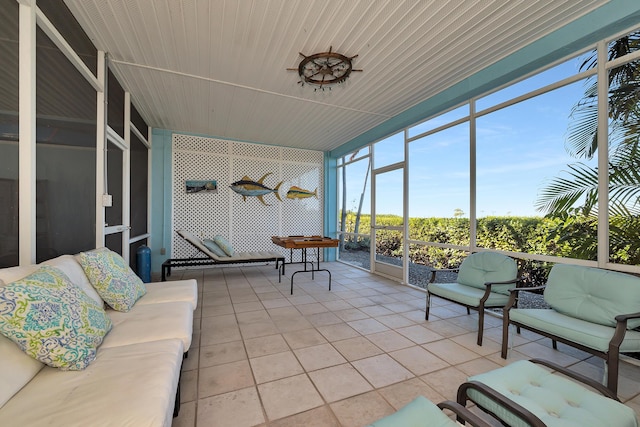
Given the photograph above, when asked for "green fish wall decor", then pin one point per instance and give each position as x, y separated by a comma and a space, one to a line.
300, 193
247, 187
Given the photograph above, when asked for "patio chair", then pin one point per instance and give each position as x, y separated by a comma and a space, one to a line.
540, 393
484, 280
422, 412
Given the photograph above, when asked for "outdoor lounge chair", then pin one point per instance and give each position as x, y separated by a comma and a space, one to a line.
540, 393
422, 412
213, 259
484, 280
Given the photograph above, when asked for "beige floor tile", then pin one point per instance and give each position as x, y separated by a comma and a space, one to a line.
316, 307
382, 370
217, 310
224, 378
478, 366
351, 314
304, 338
445, 328
445, 381
419, 334
360, 302
219, 354
318, 417
187, 415
262, 346
399, 394
537, 350
356, 348
257, 316
302, 299
399, 307
337, 305
376, 311
361, 410
395, 321
285, 312
189, 386
275, 366
292, 324
220, 335
339, 382
469, 341
323, 319
239, 408
276, 303
367, 326
274, 294
417, 316
418, 360
338, 332
319, 356
288, 396
450, 351
390, 340
254, 330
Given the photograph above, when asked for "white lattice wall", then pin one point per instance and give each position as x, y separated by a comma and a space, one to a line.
248, 224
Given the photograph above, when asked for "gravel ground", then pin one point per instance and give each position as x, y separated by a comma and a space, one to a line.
419, 275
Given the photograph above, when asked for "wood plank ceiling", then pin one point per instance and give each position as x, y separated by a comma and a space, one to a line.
218, 67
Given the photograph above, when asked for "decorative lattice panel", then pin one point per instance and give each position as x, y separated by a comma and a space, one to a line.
303, 156
243, 149
201, 144
247, 223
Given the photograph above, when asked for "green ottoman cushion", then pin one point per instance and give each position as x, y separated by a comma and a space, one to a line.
418, 413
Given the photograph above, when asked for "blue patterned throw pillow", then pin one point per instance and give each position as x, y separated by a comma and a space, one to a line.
224, 245
114, 280
52, 320
213, 247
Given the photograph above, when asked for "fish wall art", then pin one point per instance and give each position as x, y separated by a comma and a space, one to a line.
247, 187
300, 193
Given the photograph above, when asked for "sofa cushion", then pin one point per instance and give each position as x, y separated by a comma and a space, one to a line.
176, 290
482, 267
467, 295
52, 320
133, 385
11, 274
16, 369
151, 322
556, 400
224, 245
114, 280
70, 266
593, 294
213, 247
580, 331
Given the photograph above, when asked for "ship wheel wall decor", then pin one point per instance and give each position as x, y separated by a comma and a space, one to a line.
324, 69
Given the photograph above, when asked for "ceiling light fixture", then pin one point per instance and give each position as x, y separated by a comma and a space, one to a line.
324, 69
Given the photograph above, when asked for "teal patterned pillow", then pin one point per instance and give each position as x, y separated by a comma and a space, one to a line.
114, 280
52, 320
213, 247
224, 245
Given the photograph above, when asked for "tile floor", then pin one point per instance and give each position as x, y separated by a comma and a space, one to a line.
263, 357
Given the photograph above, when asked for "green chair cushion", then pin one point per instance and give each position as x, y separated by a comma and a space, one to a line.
556, 400
589, 334
466, 294
418, 413
482, 267
593, 294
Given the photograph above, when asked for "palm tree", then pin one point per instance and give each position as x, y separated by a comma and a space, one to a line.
574, 199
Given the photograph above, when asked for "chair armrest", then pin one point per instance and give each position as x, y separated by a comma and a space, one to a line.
625, 317
500, 399
579, 377
513, 295
442, 270
463, 413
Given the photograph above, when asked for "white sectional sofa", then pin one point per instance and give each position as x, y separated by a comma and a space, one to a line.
134, 379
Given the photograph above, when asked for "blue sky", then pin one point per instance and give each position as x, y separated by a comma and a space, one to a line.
520, 149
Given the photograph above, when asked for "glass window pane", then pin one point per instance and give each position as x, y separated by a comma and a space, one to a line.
624, 163
389, 150
114, 242
537, 81
389, 198
139, 122
65, 155
9, 134
439, 187
115, 111
356, 251
113, 214
528, 166
139, 186
441, 120
61, 17
354, 197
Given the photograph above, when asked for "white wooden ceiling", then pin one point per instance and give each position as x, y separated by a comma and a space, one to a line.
218, 67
